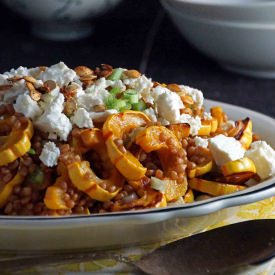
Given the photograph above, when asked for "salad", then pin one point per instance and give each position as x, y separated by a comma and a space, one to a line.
86, 141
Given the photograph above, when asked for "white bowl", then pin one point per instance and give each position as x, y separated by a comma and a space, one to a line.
237, 43
253, 11
141, 226
61, 19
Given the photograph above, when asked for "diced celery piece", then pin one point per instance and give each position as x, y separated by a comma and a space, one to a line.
115, 91
32, 151
140, 106
116, 74
131, 95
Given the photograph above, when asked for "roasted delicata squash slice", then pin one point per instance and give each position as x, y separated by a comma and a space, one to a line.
162, 140
213, 188
218, 113
238, 166
17, 143
150, 199
84, 179
244, 134
6, 188
189, 196
180, 130
113, 129
54, 197
206, 128
200, 170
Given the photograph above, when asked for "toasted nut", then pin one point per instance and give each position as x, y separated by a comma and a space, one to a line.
186, 99
50, 85
70, 107
34, 94
42, 68
155, 84
29, 79
87, 78
83, 71
105, 70
15, 78
99, 108
70, 90
174, 88
5, 87
132, 73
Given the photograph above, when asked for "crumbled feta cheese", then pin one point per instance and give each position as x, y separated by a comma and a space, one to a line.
116, 84
207, 116
50, 154
53, 121
196, 95
140, 84
59, 73
150, 112
157, 91
97, 87
201, 142
18, 88
89, 100
228, 125
194, 122
263, 156
82, 119
225, 149
102, 116
168, 106
20, 71
27, 106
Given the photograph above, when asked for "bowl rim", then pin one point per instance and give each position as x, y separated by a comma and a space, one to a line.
211, 3
224, 23
255, 193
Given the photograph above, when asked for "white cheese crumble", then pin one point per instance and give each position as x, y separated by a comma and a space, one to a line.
53, 121
207, 116
27, 106
228, 125
169, 105
140, 84
150, 112
201, 142
89, 100
102, 116
196, 95
225, 149
50, 154
82, 119
59, 73
194, 122
17, 89
263, 156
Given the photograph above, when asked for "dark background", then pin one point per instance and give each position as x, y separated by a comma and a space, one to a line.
122, 38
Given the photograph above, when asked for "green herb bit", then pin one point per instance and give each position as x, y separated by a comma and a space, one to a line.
32, 151
116, 74
140, 106
115, 91
131, 96
37, 176
127, 106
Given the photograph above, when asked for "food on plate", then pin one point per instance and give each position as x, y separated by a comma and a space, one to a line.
86, 141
